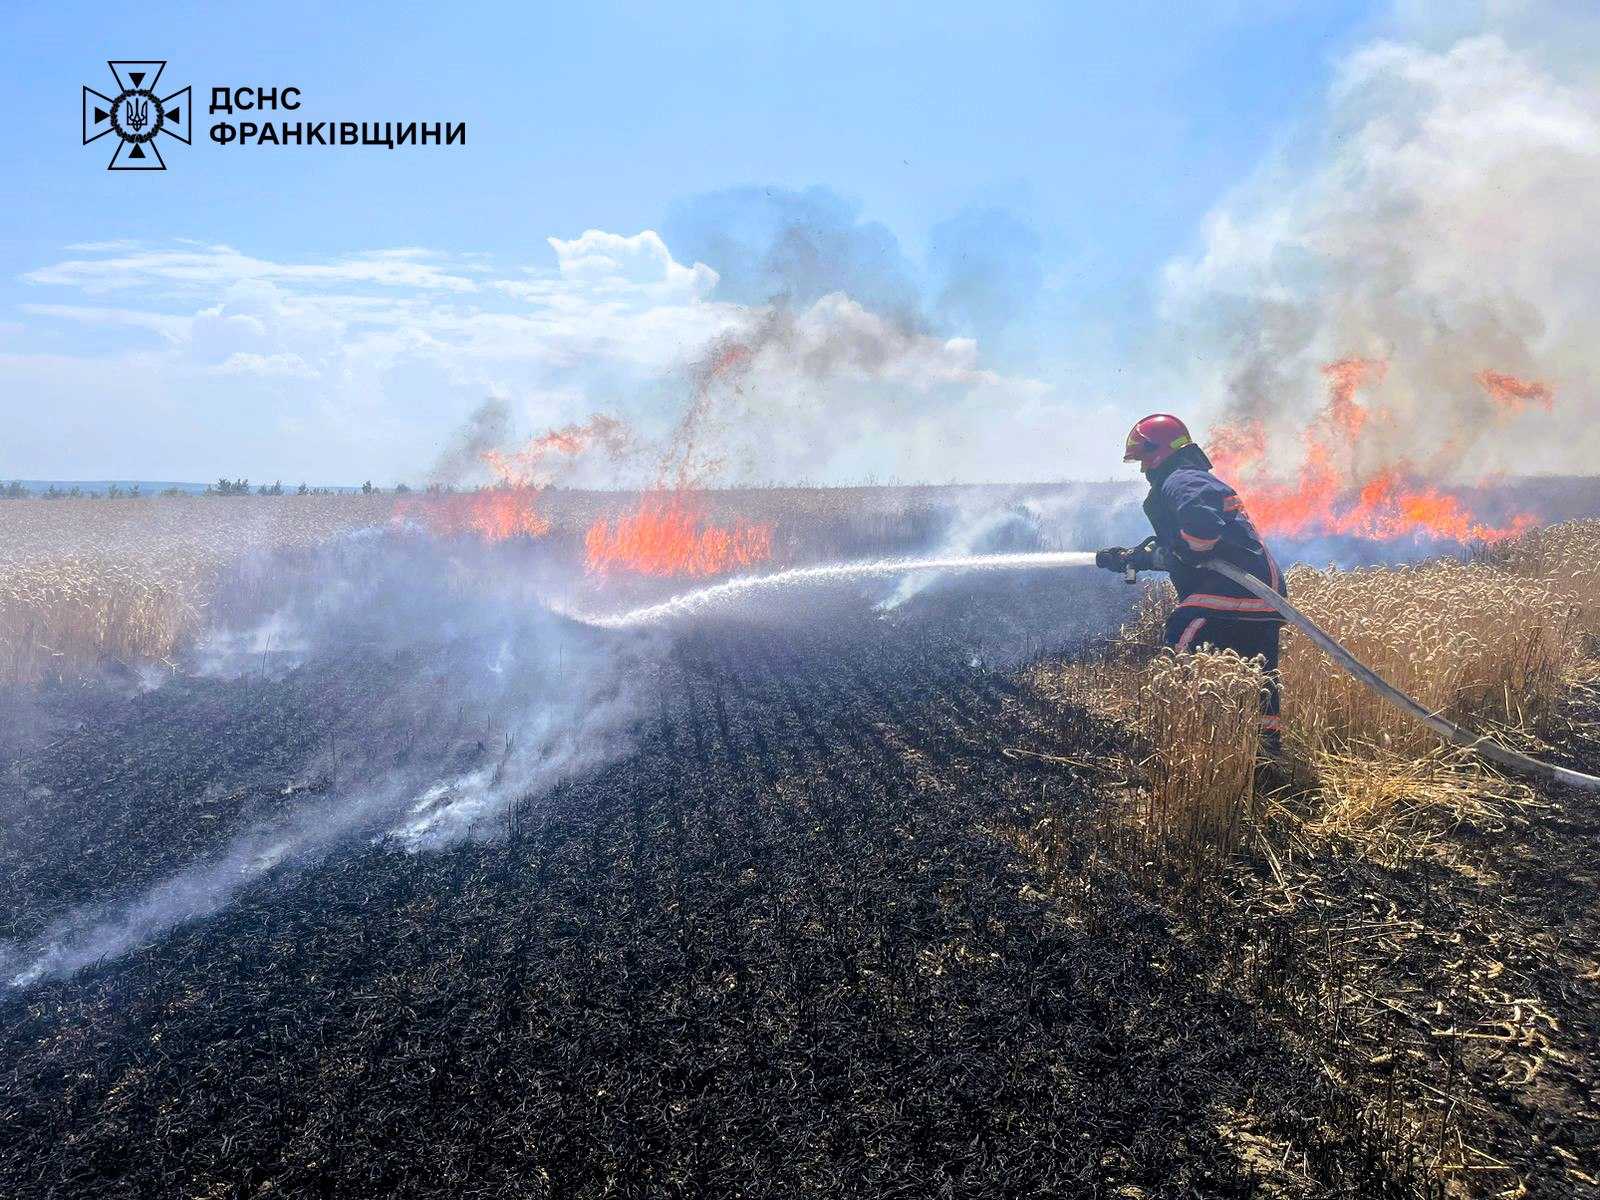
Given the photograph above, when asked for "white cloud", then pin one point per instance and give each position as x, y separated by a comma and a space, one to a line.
286, 365
211, 267
612, 261
172, 328
365, 364
101, 247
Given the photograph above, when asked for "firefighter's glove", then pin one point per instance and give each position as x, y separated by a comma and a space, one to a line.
1112, 558
1149, 555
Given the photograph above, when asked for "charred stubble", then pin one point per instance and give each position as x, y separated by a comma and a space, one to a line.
779, 950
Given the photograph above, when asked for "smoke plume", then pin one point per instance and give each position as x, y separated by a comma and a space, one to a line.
487, 428
1440, 219
773, 245
846, 358
837, 390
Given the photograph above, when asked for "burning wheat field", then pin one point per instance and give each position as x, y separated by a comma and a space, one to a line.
1021, 618
529, 841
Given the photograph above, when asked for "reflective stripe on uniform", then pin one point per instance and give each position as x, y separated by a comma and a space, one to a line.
1271, 724
1226, 603
1199, 543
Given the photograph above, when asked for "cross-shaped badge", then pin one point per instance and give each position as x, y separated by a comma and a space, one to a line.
136, 115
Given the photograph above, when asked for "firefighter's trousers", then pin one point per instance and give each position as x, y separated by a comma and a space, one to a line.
1190, 630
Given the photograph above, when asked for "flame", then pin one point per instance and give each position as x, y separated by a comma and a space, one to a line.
1330, 498
531, 466
511, 507
727, 358
1345, 378
1512, 395
494, 514
666, 535
1237, 449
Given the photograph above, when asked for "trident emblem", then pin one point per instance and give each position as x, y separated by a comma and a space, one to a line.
138, 113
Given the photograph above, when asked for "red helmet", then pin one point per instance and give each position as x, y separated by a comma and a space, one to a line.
1155, 439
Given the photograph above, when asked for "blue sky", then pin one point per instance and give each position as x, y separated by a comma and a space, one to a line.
1118, 125
1093, 139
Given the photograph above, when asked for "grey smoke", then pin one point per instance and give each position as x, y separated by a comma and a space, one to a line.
852, 357
982, 270
487, 428
825, 389
773, 245
986, 274
1440, 215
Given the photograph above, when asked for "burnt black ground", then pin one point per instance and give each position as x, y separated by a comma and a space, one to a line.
110, 789
1461, 978
786, 944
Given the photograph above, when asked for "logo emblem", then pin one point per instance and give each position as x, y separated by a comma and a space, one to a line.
137, 114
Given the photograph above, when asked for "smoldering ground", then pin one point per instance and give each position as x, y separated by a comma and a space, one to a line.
396, 687
429, 688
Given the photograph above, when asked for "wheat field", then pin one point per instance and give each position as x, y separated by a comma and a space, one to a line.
1494, 643
91, 581
1491, 642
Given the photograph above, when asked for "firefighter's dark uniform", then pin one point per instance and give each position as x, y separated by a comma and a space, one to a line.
1195, 515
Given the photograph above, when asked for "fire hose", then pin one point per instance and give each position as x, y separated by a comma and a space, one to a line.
1448, 730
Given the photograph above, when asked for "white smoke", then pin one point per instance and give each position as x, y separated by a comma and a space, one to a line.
1074, 514
553, 697
269, 646
975, 527
1441, 217
837, 391
94, 934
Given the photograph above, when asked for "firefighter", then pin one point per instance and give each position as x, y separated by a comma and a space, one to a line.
1195, 516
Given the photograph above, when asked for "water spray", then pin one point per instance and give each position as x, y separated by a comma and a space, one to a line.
692, 602
732, 589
